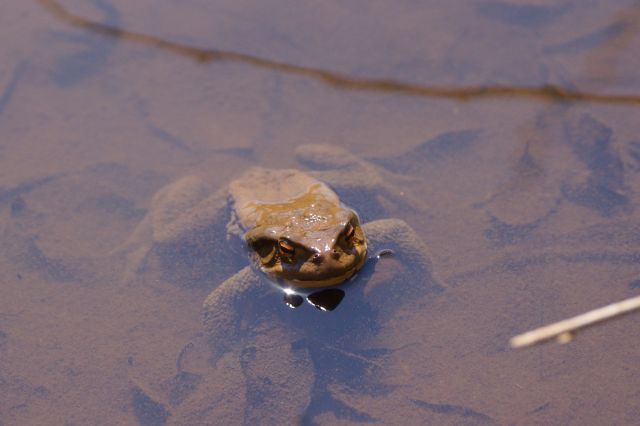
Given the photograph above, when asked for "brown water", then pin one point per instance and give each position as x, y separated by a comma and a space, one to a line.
531, 219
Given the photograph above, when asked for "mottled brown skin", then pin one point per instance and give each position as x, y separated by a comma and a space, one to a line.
296, 228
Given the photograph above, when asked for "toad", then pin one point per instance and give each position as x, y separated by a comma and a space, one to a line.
294, 226
308, 244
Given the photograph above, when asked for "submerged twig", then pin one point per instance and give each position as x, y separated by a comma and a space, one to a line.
562, 330
545, 92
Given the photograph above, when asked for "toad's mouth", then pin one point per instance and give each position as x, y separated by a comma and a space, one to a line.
324, 280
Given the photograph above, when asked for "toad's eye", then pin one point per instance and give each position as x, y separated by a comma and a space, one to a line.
265, 248
349, 232
286, 248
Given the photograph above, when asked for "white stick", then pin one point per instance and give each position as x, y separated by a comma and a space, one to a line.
562, 329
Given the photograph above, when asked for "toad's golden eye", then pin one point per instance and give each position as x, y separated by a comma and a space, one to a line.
286, 248
349, 231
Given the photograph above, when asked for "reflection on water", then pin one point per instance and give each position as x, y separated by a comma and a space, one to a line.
524, 212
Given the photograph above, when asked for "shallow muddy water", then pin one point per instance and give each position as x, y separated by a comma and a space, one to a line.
512, 124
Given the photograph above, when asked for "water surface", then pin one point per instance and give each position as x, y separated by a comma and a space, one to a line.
517, 120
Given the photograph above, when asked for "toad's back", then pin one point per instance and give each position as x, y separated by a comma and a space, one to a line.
289, 188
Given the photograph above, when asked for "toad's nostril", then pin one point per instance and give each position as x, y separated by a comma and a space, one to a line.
335, 254
317, 258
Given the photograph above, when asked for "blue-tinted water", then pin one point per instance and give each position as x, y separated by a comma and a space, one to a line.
504, 133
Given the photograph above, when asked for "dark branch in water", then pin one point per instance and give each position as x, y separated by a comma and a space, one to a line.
546, 92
